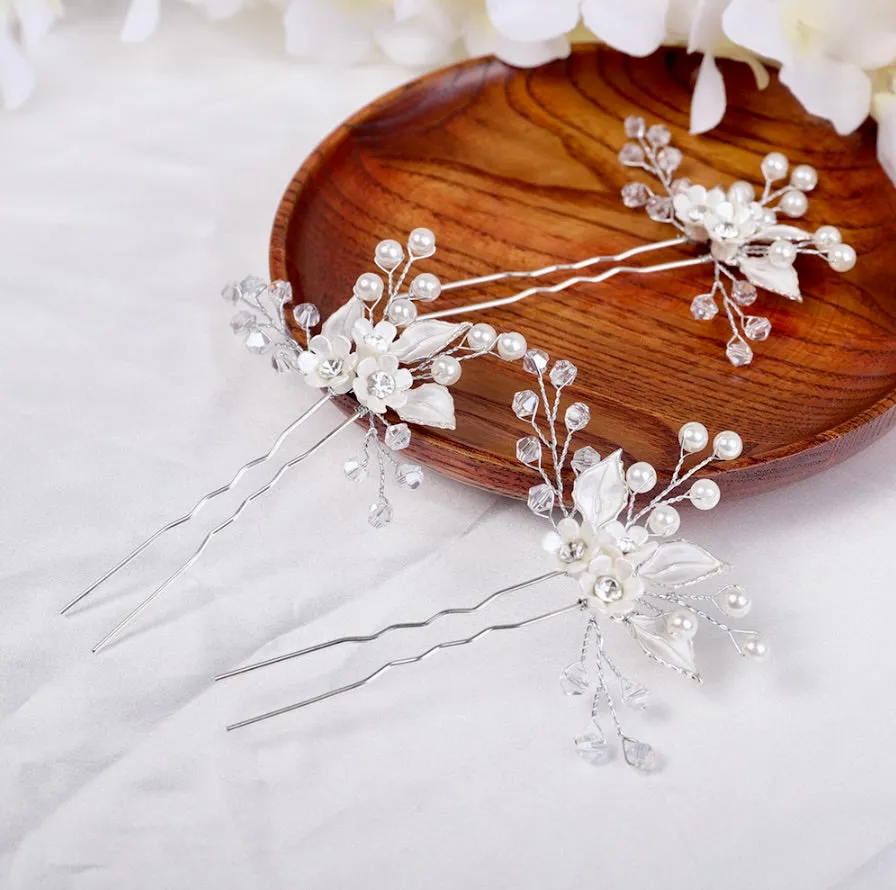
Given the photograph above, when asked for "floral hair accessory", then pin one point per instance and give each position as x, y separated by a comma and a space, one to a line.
373, 349
630, 569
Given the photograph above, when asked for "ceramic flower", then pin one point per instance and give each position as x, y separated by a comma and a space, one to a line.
373, 339
329, 364
381, 384
572, 544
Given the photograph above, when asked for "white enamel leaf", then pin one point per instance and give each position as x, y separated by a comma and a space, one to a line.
709, 99
341, 321
429, 405
599, 492
781, 231
676, 652
424, 339
779, 281
679, 563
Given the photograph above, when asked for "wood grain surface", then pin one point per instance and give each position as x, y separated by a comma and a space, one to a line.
518, 169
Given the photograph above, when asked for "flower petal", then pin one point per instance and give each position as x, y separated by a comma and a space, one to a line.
885, 109
16, 74
636, 27
367, 366
388, 363
709, 100
831, 89
552, 542
321, 345
568, 529
141, 20
403, 379
532, 20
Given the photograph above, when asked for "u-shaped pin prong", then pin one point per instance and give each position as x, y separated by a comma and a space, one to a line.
405, 625
229, 521
182, 520
413, 659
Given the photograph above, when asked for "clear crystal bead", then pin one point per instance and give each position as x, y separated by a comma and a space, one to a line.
738, 352
591, 745
283, 361
242, 322
639, 755
380, 385
563, 373
355, 469
757, 328
659, 209
251, 286
258, 342
574, 680
535, 361
668, 159
743, 293
634, 126
704, 307
281, 291
525, 404
528, 450
635, 695
577, 416
631, 154
635, 194
306, 315
585, 458
541, 499
398, 436
231, 292
409, 476
380, 514
659, 135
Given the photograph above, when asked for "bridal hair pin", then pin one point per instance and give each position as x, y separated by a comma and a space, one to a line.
749, 248
630, 570
358, 353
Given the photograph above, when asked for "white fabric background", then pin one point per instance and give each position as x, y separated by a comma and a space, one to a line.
138, 181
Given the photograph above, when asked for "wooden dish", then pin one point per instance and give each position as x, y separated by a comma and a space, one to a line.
516, 169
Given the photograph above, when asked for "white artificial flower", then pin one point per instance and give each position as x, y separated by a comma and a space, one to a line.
692, 205
142, 17
329, 363
22, 24
373, 340
483, 38
884, 111
635, 27
731, 223
381, 384
572, 545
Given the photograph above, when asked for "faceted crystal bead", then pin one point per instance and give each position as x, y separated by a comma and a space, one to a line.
409, 476
306, 315
242, 322
528, 450
574, 680
525, 404
251, 286
541, 499
668, 159
535, 361
231, 292
380, 514
757, 328
743, 293
380, 385
658, 136
355, 469
283, 361
591, 745
631, 154
584, 459
634, 126
398, 436
635, 194
659, 209
563, 373
635, 695
330, 368
704, 307
639, 755
577, 416
258, 342
281, 291
739, 352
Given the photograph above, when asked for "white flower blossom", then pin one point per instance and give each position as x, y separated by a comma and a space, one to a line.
373, 339
381, 384
329, 363
572, 545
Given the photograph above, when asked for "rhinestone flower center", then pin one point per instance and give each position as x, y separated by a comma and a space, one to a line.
726, 230
376, 342
380, 384
626, 545
330, 368
608, 589
571, 551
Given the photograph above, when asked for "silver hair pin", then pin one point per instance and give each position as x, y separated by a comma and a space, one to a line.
360, 353
748, 247
619, 546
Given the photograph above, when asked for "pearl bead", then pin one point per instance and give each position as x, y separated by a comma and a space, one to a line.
842, 257
693, 436
741, 192
421, 243
734, 602
756, 647
426, 287
768, 217
511, 346
401, 312
664, 520
774, 166
804, 177
481, 337
793, 203
388, 254
369, 287
641, 477
727, 445
827, 237
445, 369
681, 623
705, 494
781, 253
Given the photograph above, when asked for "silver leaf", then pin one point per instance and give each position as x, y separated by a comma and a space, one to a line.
424, 339
779, 281
781, 232
600, 492
341, 321
429, 405
679, 563
676, 652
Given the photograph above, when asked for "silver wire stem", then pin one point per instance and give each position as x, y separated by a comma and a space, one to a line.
409, 660
409, 625
566, 267
229, 521
564, 285
255, 462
